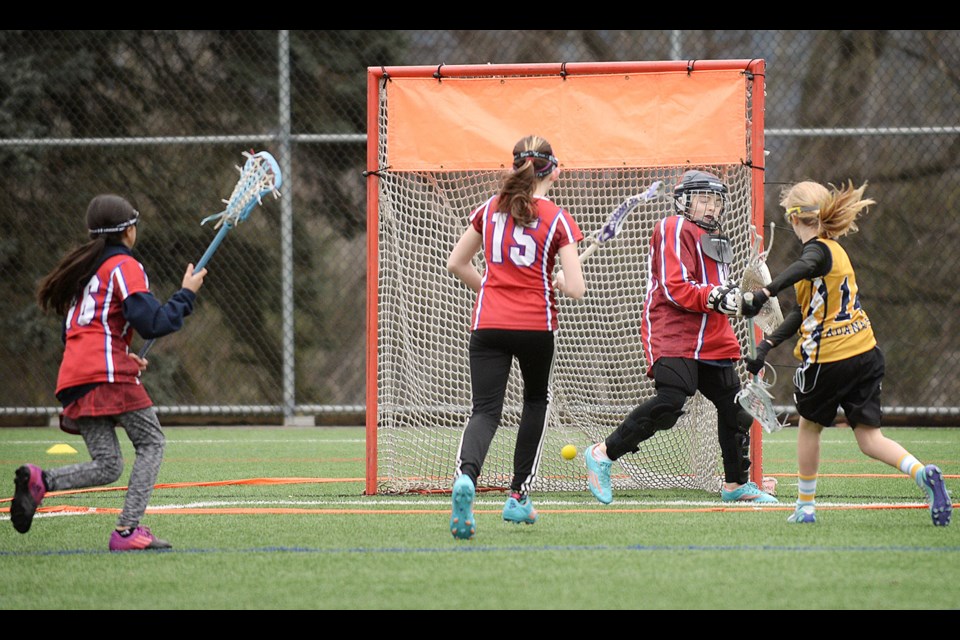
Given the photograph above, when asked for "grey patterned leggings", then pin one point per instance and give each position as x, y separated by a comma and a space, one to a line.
106, 466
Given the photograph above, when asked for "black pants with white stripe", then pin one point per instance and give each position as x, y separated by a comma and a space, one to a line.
492, 352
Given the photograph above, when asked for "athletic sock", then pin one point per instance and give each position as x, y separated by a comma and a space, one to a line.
912, 467
600, 455
806, 490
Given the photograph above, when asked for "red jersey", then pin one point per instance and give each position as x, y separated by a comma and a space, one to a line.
516, 290
676, 321
98, 335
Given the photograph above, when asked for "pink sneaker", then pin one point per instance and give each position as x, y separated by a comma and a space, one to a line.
141, 538
28, 493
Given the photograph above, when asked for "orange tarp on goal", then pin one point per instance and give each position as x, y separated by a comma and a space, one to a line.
592, 121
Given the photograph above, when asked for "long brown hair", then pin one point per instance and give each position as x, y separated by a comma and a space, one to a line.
533, 161
833, 210
108, 216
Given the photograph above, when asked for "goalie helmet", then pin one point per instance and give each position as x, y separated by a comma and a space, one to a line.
689, 201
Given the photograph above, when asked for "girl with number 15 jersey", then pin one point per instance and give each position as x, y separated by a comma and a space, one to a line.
521, 234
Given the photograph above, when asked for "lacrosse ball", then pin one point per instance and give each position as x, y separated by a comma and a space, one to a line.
770, 485
569, 452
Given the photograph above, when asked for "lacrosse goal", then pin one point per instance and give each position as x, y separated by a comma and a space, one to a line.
439, 139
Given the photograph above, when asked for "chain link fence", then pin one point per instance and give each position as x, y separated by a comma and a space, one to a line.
162, 117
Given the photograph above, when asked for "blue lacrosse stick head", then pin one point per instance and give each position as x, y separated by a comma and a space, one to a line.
259, 176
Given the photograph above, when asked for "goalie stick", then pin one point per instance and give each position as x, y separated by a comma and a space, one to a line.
754, 396
259, 176
756, 275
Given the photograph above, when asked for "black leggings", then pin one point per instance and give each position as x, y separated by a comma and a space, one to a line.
677, 379
491, 355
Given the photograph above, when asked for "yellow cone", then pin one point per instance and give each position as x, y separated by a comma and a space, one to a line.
60, 449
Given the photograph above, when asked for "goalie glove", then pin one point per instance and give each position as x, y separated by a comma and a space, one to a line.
754, 365
724, 299
753, 302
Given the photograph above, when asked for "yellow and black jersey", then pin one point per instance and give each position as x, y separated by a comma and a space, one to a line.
834, 326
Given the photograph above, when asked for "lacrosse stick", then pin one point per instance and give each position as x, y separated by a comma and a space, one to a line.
614, 224
756, 275
754, 397
259, 176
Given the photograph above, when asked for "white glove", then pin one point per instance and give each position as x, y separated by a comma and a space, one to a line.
725, 299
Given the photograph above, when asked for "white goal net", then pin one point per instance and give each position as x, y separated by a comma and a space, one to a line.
422, 317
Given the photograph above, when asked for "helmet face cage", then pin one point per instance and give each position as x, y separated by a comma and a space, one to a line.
691, 200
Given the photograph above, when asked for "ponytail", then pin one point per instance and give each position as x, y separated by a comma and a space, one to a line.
533, 161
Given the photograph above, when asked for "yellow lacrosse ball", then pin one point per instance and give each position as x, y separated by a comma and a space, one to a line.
569, 452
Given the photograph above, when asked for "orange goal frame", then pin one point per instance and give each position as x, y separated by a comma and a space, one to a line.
476, 111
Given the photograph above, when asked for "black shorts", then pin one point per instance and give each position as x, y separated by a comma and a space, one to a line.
819, 390
712, 380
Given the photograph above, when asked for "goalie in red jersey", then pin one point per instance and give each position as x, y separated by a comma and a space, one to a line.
688, 341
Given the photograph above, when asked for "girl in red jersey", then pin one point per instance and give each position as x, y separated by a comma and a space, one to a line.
688, 342
840, 362
521, 234
104, 295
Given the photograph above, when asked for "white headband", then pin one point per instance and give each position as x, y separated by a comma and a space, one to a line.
120, 227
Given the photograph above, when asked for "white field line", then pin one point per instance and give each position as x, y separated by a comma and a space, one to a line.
398, 503
174, 440
480, 502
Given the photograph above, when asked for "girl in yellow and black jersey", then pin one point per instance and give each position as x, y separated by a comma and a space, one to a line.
834, 326
841, 365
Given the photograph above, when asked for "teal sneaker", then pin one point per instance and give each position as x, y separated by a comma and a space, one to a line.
519, 511
940, 507
598, 476
749, 492
805, 514
462, 523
